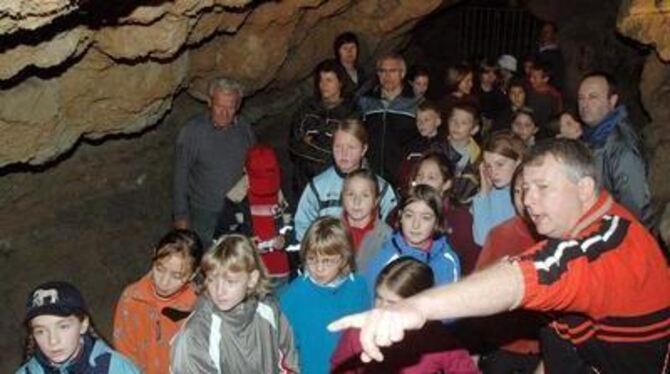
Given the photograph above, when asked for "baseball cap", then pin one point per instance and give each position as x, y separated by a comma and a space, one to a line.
55, 298
507, 62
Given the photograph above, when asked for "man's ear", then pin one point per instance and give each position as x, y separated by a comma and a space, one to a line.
613, 100
586, 189
474, 130
365, 149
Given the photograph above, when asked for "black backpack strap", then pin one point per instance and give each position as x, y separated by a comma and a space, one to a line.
316, 193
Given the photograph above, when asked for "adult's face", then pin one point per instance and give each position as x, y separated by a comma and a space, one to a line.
348, 54
390, 73
548, 34
553, 202
223, 106
329, 86
594, 102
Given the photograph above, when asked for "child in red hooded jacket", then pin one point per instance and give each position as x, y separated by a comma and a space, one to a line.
256, 207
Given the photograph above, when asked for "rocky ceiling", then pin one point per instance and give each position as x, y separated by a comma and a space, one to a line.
89, 68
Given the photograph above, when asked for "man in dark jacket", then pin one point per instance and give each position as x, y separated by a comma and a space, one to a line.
389, 113
617, 148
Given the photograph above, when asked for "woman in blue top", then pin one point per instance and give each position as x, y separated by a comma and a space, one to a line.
420, 237
327, 290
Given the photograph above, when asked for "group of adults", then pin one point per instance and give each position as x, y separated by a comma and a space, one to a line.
599, 270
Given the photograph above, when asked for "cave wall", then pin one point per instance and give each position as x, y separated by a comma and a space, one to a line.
648, 21
90, 69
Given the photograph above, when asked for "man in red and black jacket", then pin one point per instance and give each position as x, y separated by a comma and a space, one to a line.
599, 272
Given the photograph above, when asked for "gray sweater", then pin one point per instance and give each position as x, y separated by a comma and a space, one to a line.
208, 162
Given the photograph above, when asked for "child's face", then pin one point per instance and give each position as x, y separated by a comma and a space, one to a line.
487, 77
227, 289
524, 127
499, 168
429, 174
418, 223
359, 201
420, 85
385, 297
517, 96
518, 196
427, 122
569, 128
465, 85
461, 126
324, 268
347, 151
538, 80
59, 338
169, 274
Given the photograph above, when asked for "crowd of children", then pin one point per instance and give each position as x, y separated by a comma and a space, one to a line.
260, 298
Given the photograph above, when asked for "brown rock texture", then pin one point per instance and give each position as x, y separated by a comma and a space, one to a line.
648, 22
71, 69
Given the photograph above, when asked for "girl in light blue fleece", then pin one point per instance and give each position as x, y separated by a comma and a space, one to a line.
503, 152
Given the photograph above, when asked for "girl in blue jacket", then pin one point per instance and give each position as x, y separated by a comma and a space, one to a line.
420, 237
61, 339
327, 290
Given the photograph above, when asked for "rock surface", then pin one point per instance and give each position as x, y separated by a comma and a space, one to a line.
648, 22
87, 69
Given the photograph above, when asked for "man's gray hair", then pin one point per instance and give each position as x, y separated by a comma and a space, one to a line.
575, 156
395, 57
225, 85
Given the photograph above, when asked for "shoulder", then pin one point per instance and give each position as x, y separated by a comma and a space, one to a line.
117, 364
326, 177
30, 367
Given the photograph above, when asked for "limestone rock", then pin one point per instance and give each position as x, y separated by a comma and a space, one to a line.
91, 77
67, 45
655, 90
30, 14
647, 21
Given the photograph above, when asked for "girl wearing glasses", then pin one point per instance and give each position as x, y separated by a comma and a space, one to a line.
327, 290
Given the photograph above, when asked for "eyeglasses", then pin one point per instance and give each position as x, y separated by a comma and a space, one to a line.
327, 262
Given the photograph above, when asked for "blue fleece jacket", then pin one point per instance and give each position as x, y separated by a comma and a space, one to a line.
95, 358
310, 307
490, 210
441, 259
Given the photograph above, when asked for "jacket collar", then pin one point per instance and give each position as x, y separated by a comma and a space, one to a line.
594, 214
597, 136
